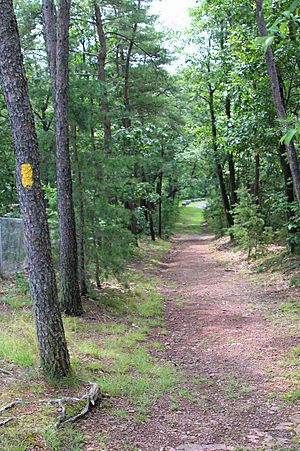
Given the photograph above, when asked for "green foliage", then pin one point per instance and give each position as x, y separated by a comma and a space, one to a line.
249, 228
214, 214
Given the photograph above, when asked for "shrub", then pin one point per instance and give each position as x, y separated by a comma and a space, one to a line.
249, 228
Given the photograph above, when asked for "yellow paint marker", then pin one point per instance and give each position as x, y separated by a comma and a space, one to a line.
27, 175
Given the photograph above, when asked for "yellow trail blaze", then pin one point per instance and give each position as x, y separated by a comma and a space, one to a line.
27, 175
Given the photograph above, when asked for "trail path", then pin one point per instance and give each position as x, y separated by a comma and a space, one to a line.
217, 333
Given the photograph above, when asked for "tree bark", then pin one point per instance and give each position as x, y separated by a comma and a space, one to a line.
159, 192
219, 169
277, 98
50, 35
151, 225
102, 54
49, 327
81, 231
289, 192
127, 119
231, 165
69, 282
256, 178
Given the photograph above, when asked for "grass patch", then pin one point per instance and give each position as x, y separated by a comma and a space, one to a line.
293, 359
115, 353
234, 388
15, 292
291, 307
17, 338
295, 281
190, 219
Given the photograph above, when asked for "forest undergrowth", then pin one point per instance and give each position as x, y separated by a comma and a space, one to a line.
117, 344
108, 345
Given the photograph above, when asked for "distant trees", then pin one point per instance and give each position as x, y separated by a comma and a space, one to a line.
246, 140
278, 98
125, 115
50, 332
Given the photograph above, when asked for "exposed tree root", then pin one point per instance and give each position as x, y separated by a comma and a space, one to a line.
9, 405
8, 373
6, 420
85, 403
91, 398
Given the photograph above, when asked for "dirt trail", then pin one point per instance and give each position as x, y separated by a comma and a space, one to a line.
216, 333
219, 332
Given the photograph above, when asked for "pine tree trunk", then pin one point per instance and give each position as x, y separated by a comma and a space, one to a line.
277, 98
50, 332
127, 119
256, 178
81, 231
50, 35
159, 192
102, 78
69, 281
151, 225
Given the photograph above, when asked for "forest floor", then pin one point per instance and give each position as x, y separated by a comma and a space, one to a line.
227, 332
201, 352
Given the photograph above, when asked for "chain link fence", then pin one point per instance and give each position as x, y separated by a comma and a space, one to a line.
12, 247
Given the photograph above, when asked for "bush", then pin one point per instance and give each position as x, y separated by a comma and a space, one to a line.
214, 215
249, 228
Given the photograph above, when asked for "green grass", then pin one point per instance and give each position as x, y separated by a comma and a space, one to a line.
234, 388
116, 353
291, 307
190, 220
293, 360
17, 338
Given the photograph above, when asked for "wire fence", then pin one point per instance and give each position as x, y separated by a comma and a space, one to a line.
12, 247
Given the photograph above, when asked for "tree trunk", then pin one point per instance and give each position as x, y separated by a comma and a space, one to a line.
277, 99
102, 78
151, 225
256, 178
50, 35
289, 192
231, 166
159, 192
219, 169
69, 283
127, 119
97, 264
81, 231
50, 332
